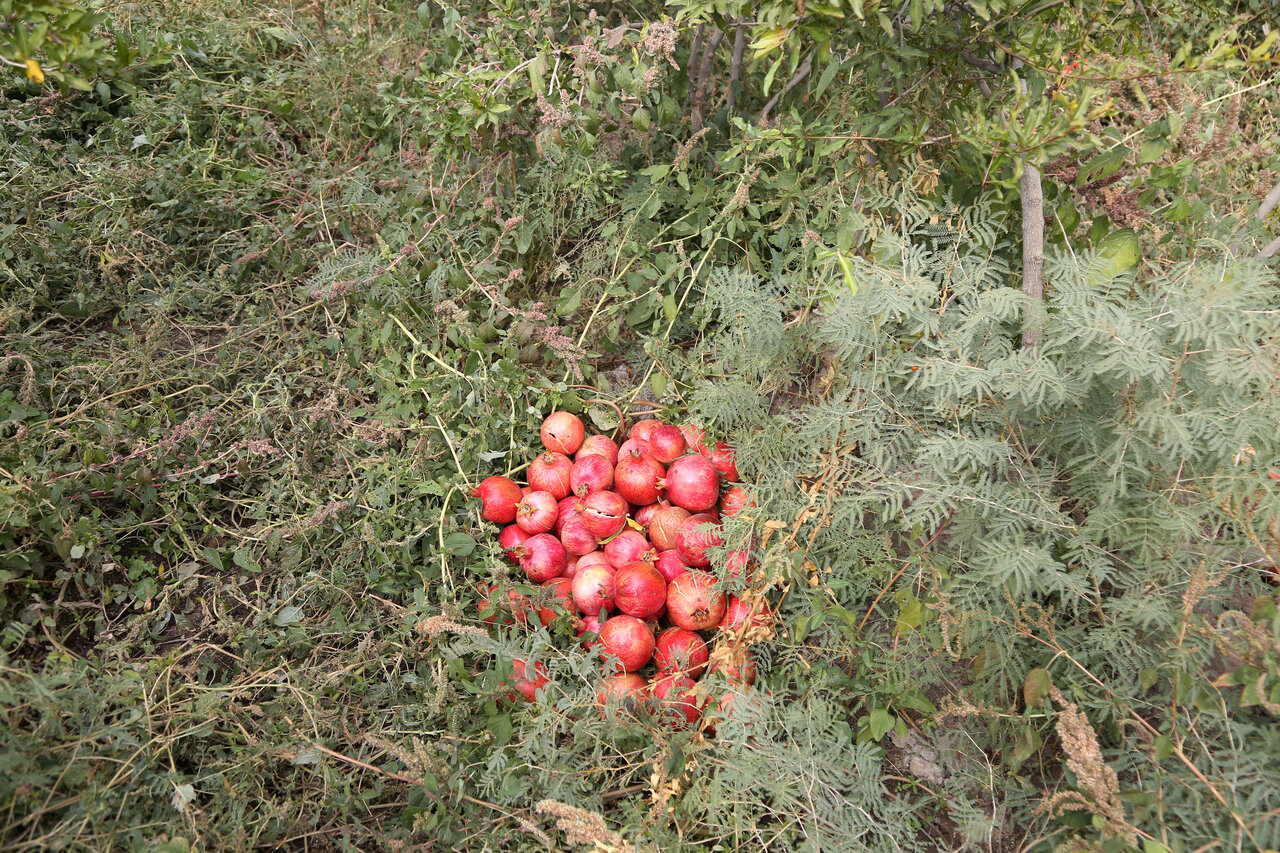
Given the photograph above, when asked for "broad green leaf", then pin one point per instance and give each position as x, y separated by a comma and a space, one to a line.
1036, 687
1102, 165
1117, 252
881, 723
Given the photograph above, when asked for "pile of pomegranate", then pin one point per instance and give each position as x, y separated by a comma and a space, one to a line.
620, 536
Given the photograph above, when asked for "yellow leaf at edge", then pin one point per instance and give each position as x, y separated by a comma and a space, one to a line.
34, 71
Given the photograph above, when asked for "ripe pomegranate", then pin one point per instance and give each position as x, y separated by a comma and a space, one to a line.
562, 590
543, 558
500, 496
664, 525
680, 650
627, 547
562, 432
628, 639
634, 448
693, 483
738, 612
666, 443
509, 538
590, 474
537, 513
734, 500
595, 558
569, 509
722, 457
693, 437
644, 515
550, 472
642, 429
739, 668
604, 513
678, 707
670, 565
517, 605
593, 589
626, 688
641, 590
570, 565
599, 445
576, 538
528, 687
693, 603
692, 542
589, 625
735, 563
638, 479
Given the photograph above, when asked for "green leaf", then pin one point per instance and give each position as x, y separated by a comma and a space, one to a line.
1102, 166
459, 544
1163, 747
881, 723
1117, 252
288, 616
1036, 687
669, 307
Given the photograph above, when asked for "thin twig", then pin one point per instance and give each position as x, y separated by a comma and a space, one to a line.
796, 79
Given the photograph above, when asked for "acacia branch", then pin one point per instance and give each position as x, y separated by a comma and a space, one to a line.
735, 70
796, 79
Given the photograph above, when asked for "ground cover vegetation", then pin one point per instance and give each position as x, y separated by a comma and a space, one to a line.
982, 293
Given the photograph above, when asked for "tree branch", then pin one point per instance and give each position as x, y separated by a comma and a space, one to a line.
691, 70
1270, 249
796, 79
735, 70
704, 77
1032, 256
1269, 203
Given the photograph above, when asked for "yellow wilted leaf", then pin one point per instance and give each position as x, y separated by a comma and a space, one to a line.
769, 40
34, 71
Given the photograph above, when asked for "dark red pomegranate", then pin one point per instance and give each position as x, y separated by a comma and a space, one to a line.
562, 432
604, 513
666, 443
599, 445
693, 483
537, 513
528, 687
734, 500
639, 479
677, 704
670, 565
593, 589
634, 448
627, 547
590, 474
693, 437
693, 540
499, 496
543, 557
509, 538
738, 612
693, 603
665, 524
577, 539
551, 472
562, 590
722, 457
642, 429
680, 650
641, 590
626, 688
628, 639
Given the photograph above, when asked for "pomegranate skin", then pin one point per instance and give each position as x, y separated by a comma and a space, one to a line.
628, 639
670, 565
590, 474
519, 606
570, 566
604, 513
544, 557
735, 563
500, 496
562, 432
551, 472
664, 526
593, 589
722, 456
738, 612
569, 509
740, 670
642, 429
590, 625
577, 539
666, 443
692, 543
627, 547
598, 445
528, 687
562, 589
510, 538
624, 687
634, 448
641, 591
677, 705
693, 437
644, 515
734, 500
693, 482
595, 558
537, 513
639, 479
693, 603
681, 650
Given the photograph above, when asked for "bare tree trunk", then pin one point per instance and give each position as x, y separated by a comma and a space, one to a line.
796, 79
704, 77
691, 70
735, 70
1033, 256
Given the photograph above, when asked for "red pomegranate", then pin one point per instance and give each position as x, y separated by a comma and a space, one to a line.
677, 706
590, 474
627, 547
634, 448
693, 540
577, 539
693, 603
599, 445
499, 496
664, 525
589, 625
528, 687
537, 513
738, 612
735, 563
628, 639
666, 443
562, 590
509, 538
593, 589
604, 513
670, 565
595, 558
570, 565
550, 472
562, 432
638, 479
681, 650
569, 509
693, 483
644, 515
641, 429
722, 457
641, 590
693, 437
517, 606
739, 668
734, 500
543, 558
626, 688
